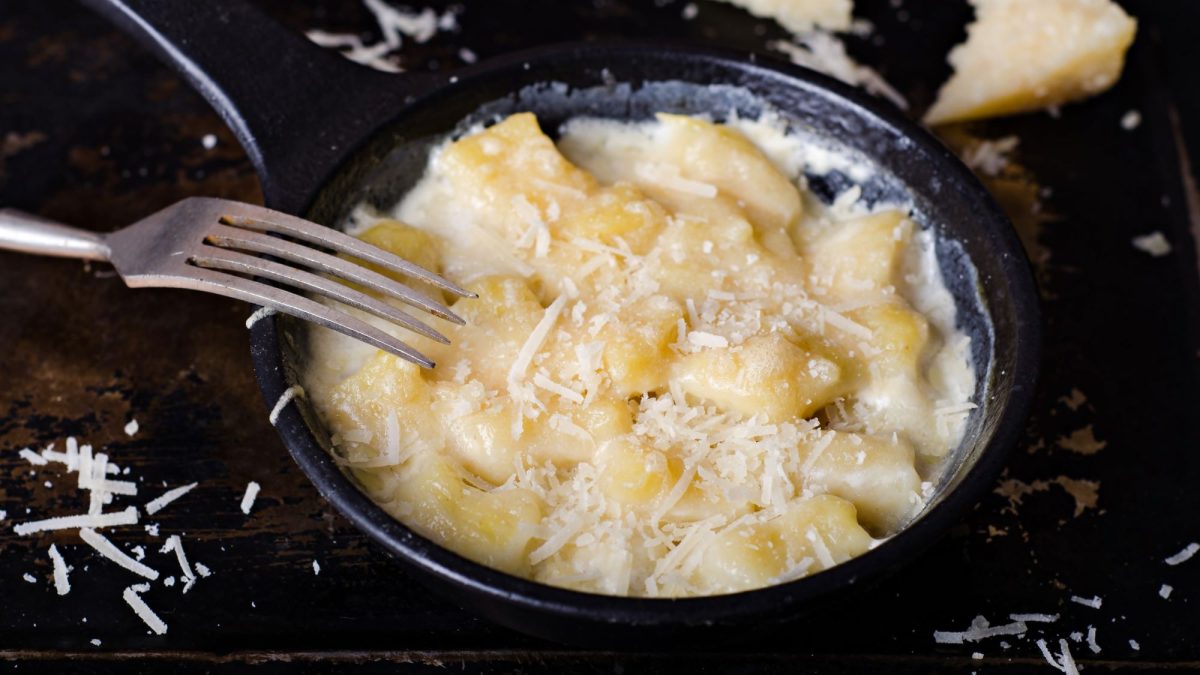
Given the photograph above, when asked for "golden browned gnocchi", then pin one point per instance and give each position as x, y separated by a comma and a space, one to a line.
682, 375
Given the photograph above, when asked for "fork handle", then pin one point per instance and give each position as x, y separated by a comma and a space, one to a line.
27, 233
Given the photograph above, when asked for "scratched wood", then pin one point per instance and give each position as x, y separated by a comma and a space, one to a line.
94, 131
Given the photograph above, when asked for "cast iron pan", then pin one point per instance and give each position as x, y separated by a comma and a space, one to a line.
325, 134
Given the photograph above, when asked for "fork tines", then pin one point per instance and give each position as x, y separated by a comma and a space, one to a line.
249, 230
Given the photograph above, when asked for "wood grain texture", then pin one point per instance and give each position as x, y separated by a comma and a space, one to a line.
93, 131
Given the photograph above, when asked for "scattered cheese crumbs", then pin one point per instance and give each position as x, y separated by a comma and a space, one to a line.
131, 428
1184, 555
152, 529
1091, 640
93, 520
978, 656
176, 544
1131, 120
1154, 243
143, 611
29, 578
169, 582
158, 503
139, 553
209, 141
1093, 602
3, 514
258, 315
33, 458
825, 53
248, 498
109, 550
61, 583
1164, 591
284, 398
316, 567
1133, 644
95, 641
979, 630
203, 570
989, 157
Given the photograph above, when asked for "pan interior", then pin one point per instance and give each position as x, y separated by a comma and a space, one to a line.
900, 171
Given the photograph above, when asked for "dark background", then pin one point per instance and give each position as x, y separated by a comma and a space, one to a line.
93, 131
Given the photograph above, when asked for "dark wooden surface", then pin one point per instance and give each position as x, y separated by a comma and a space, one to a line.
94, 131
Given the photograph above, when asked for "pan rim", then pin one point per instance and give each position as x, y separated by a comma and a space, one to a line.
431, 558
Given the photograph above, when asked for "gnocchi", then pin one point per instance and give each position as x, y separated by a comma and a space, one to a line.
682, 374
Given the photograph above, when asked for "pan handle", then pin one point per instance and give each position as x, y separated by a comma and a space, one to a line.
296, 108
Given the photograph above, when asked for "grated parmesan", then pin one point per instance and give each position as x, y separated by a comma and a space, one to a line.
1184, 555
133, 598
61, 584
1093, 602
159, 503
249, 496
95, 521
33, 458
284, 398
109, 550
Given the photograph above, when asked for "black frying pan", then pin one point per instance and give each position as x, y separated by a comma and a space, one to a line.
325, 134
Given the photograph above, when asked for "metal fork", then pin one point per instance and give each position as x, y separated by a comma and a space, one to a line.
205, 244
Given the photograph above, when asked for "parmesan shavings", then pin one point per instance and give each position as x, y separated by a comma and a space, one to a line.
249, 496
131, 428
553, 387
61, 584
980, 630
1164, 591
284, 398
33, 458
91, 520
1093, 602
316, 568
134, 600
709, 340
1064, 663
176, 544
158, 503
1091, 640
1034, 618
1184, 555
109, 550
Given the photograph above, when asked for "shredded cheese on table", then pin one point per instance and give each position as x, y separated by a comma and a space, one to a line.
250, 495
109, 550
62, 585
133, 598
159, 503
96, 521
